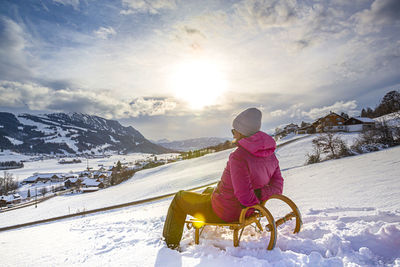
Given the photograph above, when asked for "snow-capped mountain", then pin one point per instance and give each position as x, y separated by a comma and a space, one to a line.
191, 144
72, 133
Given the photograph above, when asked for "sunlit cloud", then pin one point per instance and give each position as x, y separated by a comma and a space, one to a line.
338, 107
35, 97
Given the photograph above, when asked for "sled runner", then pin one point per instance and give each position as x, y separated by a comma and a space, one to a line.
258, 217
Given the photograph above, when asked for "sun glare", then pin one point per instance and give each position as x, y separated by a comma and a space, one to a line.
199, 83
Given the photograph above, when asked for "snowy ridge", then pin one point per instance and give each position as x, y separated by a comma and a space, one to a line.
72, 133
350, 212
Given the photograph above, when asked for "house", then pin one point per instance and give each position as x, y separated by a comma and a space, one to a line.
288, 129
10, 199
330, 123
57, 177
71, 175
44, 177
88, 182
358, 124
3, 201
309, 129
291, 128
73, 182
102, 175
16, 198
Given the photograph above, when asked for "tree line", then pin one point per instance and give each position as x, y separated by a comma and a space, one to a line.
389, 104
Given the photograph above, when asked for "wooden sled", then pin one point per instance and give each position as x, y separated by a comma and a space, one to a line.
260, 213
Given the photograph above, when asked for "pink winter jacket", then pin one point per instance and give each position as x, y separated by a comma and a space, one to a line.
253, 165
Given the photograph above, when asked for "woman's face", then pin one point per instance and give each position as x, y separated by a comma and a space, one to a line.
236, 135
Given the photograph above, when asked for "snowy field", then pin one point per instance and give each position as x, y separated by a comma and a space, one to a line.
52, 165
350, 210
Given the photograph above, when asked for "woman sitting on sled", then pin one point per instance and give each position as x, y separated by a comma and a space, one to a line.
251, 175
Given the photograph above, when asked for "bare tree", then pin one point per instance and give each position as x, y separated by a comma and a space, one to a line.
331, 145
7, 183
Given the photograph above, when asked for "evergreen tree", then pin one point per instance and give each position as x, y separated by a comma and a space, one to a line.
363, 113
119, 166
370, 113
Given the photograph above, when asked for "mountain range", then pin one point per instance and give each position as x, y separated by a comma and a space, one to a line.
71, 133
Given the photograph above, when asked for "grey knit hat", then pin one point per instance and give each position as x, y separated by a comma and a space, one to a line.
248, 122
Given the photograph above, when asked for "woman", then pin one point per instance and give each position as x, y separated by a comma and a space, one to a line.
251, 175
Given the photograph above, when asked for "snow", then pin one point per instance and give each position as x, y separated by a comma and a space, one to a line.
113, 139
90, 182
39, 126
8, 155
350, 213
290, 137
365, 119
392, 119
14, 141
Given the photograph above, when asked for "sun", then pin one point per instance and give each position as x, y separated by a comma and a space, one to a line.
198, 82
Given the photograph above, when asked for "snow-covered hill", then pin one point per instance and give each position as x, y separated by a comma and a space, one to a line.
391, 119
72, 133
350, 211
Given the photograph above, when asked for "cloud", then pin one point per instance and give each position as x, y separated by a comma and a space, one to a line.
36, 97
105, 32
266, 14
73, 3
340, 106
381, 12
14, 58
142, 6
293, 111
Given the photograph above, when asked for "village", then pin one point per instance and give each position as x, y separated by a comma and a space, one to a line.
41, 186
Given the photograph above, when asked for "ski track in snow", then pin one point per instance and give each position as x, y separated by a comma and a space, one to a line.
350, 208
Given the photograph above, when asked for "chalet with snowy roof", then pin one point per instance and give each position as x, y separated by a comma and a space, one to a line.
358, 124
71, 175
88, 182
10, 199
44, 178
288, 129
330, 123
102, 175
73, 182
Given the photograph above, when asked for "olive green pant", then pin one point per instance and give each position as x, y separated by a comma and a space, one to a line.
184, 203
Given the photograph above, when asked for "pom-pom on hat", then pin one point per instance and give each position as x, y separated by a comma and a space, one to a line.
248, 122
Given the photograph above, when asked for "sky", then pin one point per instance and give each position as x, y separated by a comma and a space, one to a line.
181, 69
